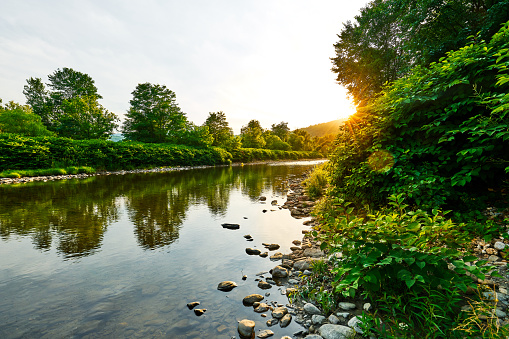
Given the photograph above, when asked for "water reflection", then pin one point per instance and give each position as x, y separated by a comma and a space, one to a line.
72, 216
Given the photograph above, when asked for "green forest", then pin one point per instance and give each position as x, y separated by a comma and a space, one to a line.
419, 175
64, 124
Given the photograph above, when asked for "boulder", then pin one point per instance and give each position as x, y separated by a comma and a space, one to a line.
253, 251
346, 306
264, 285
261, 307
285, 321
279, 272
271, 247
311, 309
226, 286
279, 312
302, 265
330, 331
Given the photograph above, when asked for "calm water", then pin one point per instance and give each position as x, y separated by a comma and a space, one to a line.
121, 256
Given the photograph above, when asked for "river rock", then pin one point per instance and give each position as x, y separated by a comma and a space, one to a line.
346, 306
355, 323
248, 236
499, 245
264, 285
311, 309
279, 312
231, 226
264, 254
277, 256
226, 286
193, 304
313, 253
265, 334
297, 242
199, 311
261, 307
317, 319
253, 251
333, 319
262, 198
330, 331
302, 265
251, 299
279, 272
246, 328
285, 321
272, 322
271, 247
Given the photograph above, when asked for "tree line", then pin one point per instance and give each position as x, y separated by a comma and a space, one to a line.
68, 106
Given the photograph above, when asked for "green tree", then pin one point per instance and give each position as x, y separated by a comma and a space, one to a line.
389, 37
281, 130
300, 140
70, 107
196, 136
275, 143
154, 115
252, 135
19, 119
85, 118
219, 129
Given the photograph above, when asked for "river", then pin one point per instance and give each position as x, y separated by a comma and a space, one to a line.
121, 255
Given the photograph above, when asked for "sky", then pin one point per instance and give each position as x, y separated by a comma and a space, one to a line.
267, 60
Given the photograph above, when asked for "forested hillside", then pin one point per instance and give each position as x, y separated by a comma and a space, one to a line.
325, 128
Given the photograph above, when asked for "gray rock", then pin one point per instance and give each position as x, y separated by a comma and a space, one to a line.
276, 256
500, 314
330, 331
272, 322
499, 245
313, 253
279, 272
264, 285
493, 258
343, 314
279, 312
226, 286
251, 299
346, 306
302, 265
307, 272
333, 319
265, 334
285, 321
253, 251
293, 281
313, 336
246, 328
311, 309
355, 323
317, 319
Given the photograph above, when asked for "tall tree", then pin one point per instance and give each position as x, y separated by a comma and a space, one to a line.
389, 37
281, 130
219, 129
70, 107
154, 115
252, 135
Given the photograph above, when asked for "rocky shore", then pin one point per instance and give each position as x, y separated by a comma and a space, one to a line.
344, 322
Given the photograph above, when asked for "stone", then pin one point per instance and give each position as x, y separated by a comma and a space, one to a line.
262, 198
355, 323
251, 299
264, 285
271, 247
313, 336
343, 314
277, 256
311, 309
272, 322
193, 304
493, 258
253, 251
226, 286
286, 320
279, 272
199, 311
246, 328
265, 334
248, 236
330, 331
294, 248
346, 306
296, 242
261, 307
302, 265
317, 319
333, 319
366, 307
231, 226
264, 254
313, 253
273, 202
499, 245
221, 328
244, 277
293, 281
500, 314
279, 312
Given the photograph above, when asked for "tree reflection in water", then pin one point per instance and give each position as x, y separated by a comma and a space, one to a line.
73, 215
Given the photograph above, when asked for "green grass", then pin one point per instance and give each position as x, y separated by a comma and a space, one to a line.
46, 171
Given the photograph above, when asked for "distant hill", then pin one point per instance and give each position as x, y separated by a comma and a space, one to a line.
319, 130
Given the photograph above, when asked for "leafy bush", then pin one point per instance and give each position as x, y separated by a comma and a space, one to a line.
411, 264
316, 183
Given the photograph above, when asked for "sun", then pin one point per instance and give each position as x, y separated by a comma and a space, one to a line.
347, 108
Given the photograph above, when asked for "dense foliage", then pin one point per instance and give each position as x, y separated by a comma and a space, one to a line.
19, 119
17, 152
71, 107
439, 135
389, 37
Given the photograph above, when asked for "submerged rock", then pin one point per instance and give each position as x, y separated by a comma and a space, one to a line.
264, 285
251, 299
231, 226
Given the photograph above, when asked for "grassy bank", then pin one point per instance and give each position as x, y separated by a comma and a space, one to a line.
26, 153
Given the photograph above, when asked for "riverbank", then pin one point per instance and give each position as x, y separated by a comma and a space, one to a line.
312, 265
45, 178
